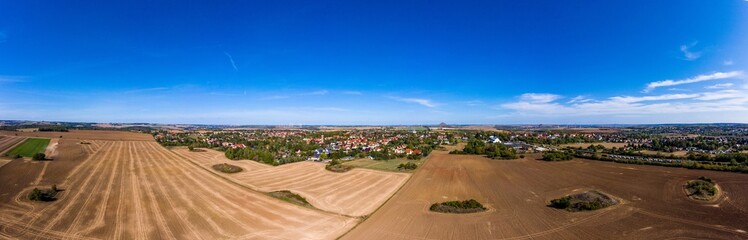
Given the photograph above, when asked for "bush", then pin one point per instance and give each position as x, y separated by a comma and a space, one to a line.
407, 166
467, 206
701, 189
44, 195
39, 156
191, 148
561, 203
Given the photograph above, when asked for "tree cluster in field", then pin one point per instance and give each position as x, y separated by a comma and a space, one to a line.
729, 162
701, 189
336, 166
491, 150
39, 156
557, 156
467, 206
586, 201
407, 166
47, 195
227, 168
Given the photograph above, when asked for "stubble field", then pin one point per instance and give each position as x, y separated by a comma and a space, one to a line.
516, 192
354, 193
140, 190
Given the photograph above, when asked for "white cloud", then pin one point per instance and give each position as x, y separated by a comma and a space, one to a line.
539, 97
729, 62
688, 54
729, 102
700, 78
579, 99
628, 99
424, 102
720, 85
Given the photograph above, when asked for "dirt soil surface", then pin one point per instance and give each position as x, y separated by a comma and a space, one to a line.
86, 135
137, 190
357, 192
653, 203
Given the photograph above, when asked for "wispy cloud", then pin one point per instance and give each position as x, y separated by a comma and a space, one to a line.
275, 97
729, 62
12, 79
146, 90
330, 109
579, 99
700, 78
352, 92
320, 92
539, 97
423, 102
688, 54
474, 103
720, 85
231, 59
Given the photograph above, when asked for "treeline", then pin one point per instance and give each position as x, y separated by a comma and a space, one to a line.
707, 165
491, 150
557, 156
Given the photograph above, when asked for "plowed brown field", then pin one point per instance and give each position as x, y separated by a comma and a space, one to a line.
137, 190
354, 193
85, 135
653, 206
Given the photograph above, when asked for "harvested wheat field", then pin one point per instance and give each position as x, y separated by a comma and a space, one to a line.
138, 190
354, 193
653, 204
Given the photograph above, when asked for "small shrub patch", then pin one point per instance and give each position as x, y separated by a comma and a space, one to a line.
467, 206
407, 166
702, 189
227, 168
586, 201
47, 195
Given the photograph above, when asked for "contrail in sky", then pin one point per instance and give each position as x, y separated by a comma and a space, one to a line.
232, 60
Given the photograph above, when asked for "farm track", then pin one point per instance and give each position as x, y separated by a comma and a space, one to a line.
517, 192
140, 190
354, 193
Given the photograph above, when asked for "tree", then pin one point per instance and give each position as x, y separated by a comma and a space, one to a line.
39, 156
191, 148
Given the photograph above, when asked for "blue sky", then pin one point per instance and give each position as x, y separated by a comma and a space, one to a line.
375, 62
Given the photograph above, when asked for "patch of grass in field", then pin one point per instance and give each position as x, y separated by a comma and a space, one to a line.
29, 147
383, 165
291, 197
227, 168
